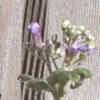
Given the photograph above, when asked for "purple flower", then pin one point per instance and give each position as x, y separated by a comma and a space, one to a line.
76, 47
35, 29
86, 48
73, 51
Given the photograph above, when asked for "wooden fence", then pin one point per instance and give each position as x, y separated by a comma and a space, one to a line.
15, 16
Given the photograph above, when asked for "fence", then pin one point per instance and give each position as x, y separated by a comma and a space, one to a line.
15, 15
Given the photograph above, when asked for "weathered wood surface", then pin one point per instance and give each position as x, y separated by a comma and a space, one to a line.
79, 12
35, 11
11, 19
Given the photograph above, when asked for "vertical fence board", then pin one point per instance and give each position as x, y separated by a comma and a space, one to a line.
35, 11
79, 12
11, 19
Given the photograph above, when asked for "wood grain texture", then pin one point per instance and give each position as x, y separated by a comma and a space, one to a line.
11, 19
79, 12
35, 11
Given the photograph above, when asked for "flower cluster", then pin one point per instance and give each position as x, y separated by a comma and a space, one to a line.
35, 29
77, 42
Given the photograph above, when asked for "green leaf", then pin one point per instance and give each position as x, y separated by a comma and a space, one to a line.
25, 77
84, 73
61, 91
52, 80
58, 76
74, 76
38, 85
63, 77
82, 56
78, 75
76, 84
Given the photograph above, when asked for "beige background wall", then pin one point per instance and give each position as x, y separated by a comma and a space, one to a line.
79, 12
11, 20
85, 12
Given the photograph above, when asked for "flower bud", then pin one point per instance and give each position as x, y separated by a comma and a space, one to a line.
82, 28
54, 38
90, 37
67, 30
73, 30
35, 29
73, 27
92, 44
78, 32
87, 32
73, 33
55, 53
65, 24
58, 51
69, 27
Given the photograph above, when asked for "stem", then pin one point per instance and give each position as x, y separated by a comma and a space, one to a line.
49, 64
58, 98
53, 60
46, 60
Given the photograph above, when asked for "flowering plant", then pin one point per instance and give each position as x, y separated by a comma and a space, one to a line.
76, 44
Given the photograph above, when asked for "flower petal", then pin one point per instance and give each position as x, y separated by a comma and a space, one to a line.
34, 28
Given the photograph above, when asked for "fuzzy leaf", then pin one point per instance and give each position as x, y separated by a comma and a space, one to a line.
59, 76
61, 91
53, 78
84, 73
38, 85
76, 84
25, 77
74, 76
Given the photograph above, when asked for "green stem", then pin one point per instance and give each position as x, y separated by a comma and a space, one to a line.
53, 60
58, 98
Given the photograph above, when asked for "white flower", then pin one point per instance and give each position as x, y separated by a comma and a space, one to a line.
91, 37
65, 24
82, 28
78, 32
